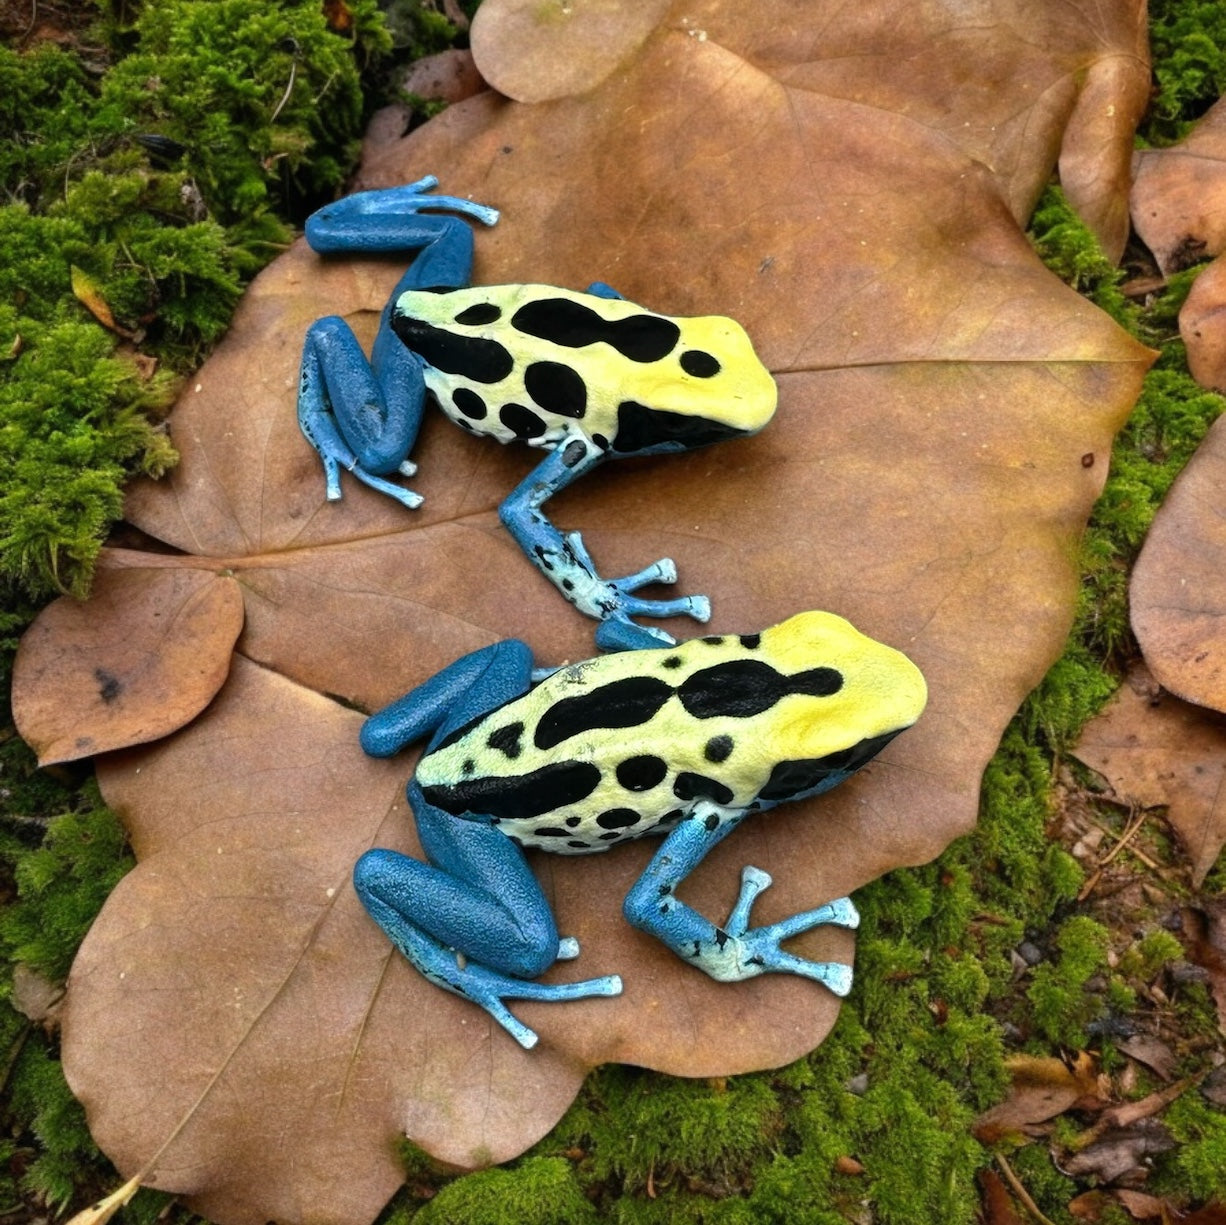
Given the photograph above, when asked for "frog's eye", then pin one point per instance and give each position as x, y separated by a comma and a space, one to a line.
481, 312
699, 363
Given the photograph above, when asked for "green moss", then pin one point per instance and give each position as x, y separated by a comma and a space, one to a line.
639, 1129
61, 886
39, 1094
536, 1191
1188, 41
1061, 995
1198, 1165
145, 194
1066, 245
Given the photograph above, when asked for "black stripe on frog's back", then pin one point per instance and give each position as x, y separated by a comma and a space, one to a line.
514, 797
641, 338
628, 702
475, 357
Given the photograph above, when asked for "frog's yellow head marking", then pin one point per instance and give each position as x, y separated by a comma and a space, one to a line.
534, 361
874, 691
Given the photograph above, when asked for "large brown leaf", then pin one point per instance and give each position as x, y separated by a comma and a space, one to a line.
946, 413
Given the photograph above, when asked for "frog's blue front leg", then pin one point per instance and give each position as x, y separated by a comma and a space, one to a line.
734, 951
565, 561
477, 897
363, 415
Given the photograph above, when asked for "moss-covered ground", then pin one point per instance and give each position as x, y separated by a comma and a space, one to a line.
144, 184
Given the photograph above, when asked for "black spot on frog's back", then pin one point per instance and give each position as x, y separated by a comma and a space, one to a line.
556, 388
742, 688
641, 338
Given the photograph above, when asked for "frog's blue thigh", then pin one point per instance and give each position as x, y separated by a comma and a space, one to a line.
479, 895
361, 415
495, 913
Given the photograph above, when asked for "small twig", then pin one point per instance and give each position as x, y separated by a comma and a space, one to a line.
289, 89
1015, 1184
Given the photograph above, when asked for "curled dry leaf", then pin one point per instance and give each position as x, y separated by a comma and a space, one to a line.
1178, 206
1179, 195
1155, 750
1178, 586
1202, 324
1042, 1088
144, 655
946, 413
1122, 1154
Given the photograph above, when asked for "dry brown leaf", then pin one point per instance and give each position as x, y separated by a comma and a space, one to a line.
1179, 195
1205, 927
1178, 204
946, 413
1155, 750
1202, 324
1042, 1088
450, 76
144, 655
1178, 586
1152, 1052
1121, 1155
998, 1208
1140, 1205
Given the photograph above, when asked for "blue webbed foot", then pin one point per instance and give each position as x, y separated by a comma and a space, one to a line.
752, 951
614, 601
734, 951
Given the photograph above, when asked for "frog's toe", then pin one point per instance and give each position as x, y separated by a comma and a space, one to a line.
488, 989
398, 493
619, 633
763, 944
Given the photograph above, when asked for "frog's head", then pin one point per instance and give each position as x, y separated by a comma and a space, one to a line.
849, 696
711, 374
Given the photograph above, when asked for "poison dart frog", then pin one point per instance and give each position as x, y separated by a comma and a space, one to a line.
685, 741
585, 376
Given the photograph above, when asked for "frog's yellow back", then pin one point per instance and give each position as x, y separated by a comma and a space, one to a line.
628, 744
535, 362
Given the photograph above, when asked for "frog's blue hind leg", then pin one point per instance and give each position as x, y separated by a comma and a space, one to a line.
363, 415
477, 897
734, 951
565, 561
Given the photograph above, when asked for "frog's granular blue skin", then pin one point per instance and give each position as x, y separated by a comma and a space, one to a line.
684, 741
585, 376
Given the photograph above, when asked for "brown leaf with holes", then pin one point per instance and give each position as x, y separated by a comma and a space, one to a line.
1157, 751
1042, 1088
946, 412
1178, 206
1178, 586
